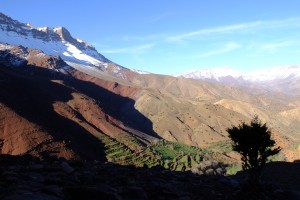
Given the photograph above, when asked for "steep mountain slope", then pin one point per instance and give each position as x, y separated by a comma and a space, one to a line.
31, 121
20, 136
58, 108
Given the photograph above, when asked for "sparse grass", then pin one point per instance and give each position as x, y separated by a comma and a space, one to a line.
278, 157
222, 147
129, 141
233, 169
294, 147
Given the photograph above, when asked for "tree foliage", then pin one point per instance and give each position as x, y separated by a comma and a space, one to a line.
254, 142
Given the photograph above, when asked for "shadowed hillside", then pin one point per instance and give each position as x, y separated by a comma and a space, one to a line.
33, 100
67, 111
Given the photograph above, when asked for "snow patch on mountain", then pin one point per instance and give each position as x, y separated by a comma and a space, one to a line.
140, 71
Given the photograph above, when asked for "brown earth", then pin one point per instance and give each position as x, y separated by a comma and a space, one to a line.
43, 116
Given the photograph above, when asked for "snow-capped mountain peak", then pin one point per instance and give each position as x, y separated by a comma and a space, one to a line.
213, 74
53, 41
58, 41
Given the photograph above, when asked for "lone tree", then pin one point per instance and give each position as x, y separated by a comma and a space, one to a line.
254, 143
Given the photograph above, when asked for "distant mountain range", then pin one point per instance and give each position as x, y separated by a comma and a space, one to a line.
280, 79
270, 74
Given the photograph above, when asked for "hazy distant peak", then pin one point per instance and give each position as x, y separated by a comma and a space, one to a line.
274, 73
214, 73
280, 72
280, 79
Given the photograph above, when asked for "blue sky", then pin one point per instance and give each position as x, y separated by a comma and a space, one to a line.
173, 36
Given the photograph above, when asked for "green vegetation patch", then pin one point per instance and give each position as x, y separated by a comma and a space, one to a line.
294, 147
170, 150
233, 169
176, 156
126, 150
222, 147
165, 152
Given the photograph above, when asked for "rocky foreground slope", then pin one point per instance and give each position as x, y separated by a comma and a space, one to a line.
28, 178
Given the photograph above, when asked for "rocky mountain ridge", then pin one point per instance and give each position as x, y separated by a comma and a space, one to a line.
46, 34
58, 42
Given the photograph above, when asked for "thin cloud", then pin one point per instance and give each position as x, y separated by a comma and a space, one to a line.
160, 17
141, 38
135, 49
249, 26
112, 51
228, 47
275, 46
272, 46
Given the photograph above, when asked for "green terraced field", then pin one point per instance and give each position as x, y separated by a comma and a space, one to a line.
126, 150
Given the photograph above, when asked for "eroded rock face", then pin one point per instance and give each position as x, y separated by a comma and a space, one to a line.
17, 56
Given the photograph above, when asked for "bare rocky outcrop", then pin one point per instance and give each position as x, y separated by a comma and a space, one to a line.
209, 167
16, 56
